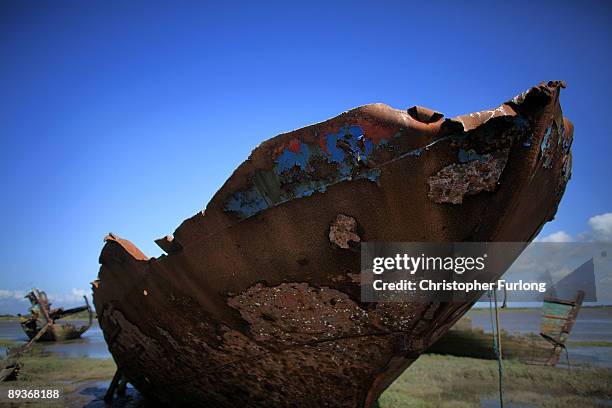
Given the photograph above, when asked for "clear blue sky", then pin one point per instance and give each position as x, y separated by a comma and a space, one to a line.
127, 116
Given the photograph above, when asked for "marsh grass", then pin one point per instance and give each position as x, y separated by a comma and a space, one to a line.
61, 369
432, 381
68, 374
8, 342
446, 381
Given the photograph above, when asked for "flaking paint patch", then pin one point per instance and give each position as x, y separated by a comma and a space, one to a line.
297, 171
454, 182
247, 202
297, 153
343, 231
545, 140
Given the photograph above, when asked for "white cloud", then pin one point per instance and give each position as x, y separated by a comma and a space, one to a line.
75, 296
600, 230
12, 294
67, 299
601, 227
559, 236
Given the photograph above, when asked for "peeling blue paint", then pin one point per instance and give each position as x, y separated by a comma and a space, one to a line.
373, 175
544, 143
360, 146
306, 190
414, 153
298, 172
565, 144
544, 146
247, 203
348, 150
294, 174
288, 159
357, 148
310, 169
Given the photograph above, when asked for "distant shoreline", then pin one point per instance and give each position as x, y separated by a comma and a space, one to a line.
77, 316
483, 308
535, 308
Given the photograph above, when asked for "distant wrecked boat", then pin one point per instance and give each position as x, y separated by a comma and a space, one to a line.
544, 348
42, 322
257, 302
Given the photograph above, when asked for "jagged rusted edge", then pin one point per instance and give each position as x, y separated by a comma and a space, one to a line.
419, 119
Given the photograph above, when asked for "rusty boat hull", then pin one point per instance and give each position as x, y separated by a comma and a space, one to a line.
57, 332
42, 323
257, 302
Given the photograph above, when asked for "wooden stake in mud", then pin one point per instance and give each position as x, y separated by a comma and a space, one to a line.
113, 386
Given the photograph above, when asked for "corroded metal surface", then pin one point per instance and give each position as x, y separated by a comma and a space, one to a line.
258, 301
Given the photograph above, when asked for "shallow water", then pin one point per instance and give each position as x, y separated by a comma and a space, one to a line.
90, 394
591, 325
91, 344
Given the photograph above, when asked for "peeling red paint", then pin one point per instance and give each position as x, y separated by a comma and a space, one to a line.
294, 145
323, 144
377, 132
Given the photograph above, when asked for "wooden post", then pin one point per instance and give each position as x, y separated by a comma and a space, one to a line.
113, 386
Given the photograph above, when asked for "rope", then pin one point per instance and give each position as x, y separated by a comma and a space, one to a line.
497, 345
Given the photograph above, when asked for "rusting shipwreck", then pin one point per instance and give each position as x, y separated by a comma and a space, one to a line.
257, 302
42, 323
